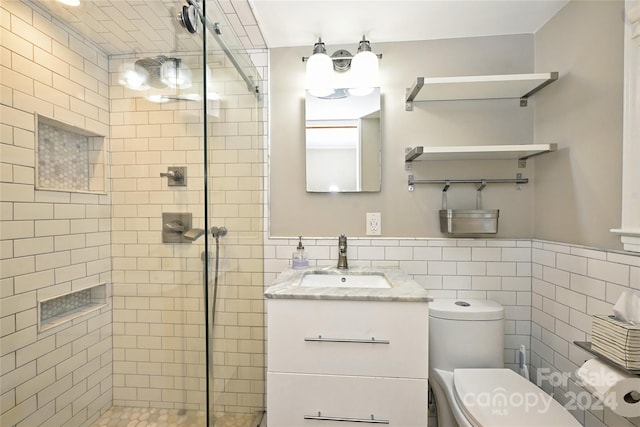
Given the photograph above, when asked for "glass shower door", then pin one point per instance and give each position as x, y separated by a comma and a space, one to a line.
235, 152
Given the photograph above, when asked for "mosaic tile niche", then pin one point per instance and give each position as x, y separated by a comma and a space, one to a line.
66, 307
69, 158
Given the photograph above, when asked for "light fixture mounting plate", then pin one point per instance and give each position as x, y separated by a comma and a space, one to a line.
341, 60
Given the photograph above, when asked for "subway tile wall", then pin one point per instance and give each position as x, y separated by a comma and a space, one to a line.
51, 243
449, 268
238, 202
569, 284
158, 309
549, 291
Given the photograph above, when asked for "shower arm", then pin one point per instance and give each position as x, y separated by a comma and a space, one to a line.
216, 32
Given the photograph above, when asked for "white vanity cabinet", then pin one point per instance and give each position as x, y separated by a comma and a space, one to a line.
336, 360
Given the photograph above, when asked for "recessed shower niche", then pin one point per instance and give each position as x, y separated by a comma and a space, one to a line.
66, 307
69, 158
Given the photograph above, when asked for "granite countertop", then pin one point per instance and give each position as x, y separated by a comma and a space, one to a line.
403, 288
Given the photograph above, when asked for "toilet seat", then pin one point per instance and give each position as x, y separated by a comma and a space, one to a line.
449, 412
502, 398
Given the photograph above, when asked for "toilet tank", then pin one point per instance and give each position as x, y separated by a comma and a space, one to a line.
466, 333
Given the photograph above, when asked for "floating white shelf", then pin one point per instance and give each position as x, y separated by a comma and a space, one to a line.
520, 86
478, 152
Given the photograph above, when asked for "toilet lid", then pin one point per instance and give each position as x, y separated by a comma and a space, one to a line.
502, 398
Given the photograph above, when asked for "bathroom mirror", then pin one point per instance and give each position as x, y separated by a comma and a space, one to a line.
343, 141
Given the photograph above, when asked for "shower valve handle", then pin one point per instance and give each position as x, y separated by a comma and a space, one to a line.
175, 175
175, 226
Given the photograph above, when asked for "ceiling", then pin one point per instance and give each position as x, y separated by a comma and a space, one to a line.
134, 26
301, 22
122, 27
152, 26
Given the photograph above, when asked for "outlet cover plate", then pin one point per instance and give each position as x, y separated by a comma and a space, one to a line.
374, 224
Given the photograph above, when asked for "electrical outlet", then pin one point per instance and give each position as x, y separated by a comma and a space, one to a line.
374, 224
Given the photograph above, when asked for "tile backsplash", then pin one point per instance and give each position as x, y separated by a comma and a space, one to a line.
449, 268
549, 291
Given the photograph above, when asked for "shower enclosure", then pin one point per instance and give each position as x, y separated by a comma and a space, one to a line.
183, 337
211, 125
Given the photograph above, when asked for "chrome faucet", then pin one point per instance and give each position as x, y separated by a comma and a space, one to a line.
342, 252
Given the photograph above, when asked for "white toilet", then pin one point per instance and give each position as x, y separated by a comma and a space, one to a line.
471, 387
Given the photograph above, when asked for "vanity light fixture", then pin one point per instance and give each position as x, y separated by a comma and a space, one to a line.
358, 73
319, 70
365, 68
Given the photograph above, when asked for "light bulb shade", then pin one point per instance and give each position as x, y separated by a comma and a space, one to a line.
319, 74
364, 67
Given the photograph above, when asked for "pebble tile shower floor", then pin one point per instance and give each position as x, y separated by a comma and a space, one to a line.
152, 417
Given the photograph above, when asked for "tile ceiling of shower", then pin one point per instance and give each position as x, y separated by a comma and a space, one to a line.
123, 27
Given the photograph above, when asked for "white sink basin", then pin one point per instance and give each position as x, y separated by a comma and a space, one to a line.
327, 280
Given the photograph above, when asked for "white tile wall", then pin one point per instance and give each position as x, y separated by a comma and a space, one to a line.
158, 342
449, 268
569, 284
52, 242
549, 290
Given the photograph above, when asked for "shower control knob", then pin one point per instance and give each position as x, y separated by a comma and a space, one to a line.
176, 175
175, 226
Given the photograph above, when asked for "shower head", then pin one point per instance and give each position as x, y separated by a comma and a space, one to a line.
162, 72
151, 68
193, 234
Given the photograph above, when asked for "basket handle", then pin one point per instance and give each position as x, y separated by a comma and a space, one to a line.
447, 184
479, 189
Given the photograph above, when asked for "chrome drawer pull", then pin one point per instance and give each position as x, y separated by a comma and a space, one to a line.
371, 420
373, 340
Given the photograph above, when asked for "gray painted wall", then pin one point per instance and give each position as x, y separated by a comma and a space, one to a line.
294, 212
578, 189
575, 193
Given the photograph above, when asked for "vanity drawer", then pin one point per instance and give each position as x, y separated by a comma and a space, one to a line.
296, 400
370, 338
